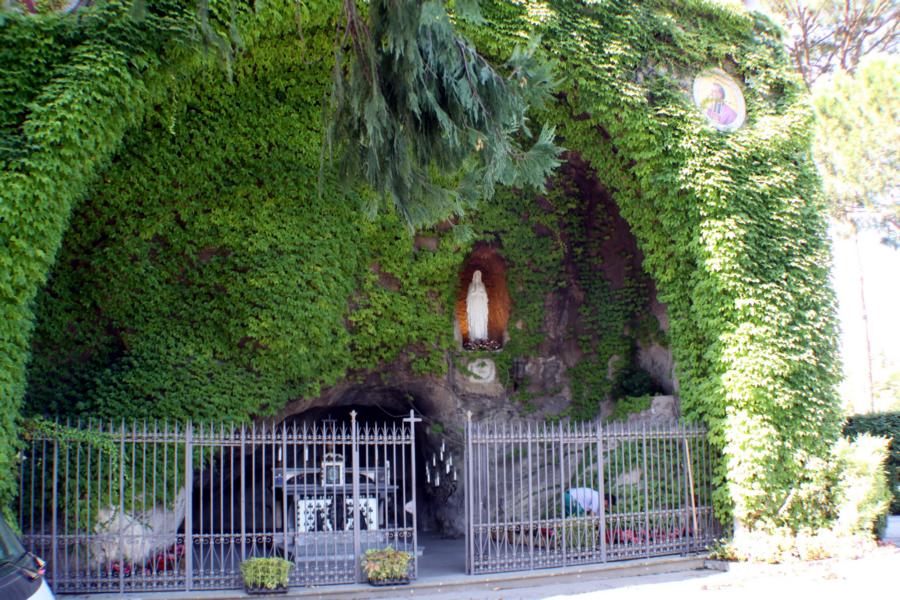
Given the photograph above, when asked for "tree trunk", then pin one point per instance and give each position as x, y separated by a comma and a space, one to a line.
870, 388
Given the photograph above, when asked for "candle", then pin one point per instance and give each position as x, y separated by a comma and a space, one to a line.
454, 474
437, 480
448, 468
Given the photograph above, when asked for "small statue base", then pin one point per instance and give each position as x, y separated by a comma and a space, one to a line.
482, 345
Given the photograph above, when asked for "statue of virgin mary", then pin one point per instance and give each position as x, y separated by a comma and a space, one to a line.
477, 309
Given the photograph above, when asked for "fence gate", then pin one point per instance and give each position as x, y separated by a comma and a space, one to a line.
547, 495
163, 506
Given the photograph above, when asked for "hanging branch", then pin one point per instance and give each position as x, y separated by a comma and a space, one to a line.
424, 119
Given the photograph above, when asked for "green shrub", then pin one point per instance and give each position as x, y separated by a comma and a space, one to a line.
839, 500
846, 492
386, 563
888, 425
781, 545
268, 573
862, 496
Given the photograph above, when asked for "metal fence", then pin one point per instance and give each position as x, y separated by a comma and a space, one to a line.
161, 506
549, 495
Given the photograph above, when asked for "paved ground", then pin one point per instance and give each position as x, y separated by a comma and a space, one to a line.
874, 576
892, 533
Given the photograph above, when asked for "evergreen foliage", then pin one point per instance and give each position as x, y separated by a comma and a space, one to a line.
417, 106
857, 136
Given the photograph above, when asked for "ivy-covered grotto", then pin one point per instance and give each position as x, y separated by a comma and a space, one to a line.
176, 246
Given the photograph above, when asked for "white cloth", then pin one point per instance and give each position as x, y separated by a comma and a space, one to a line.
588, 499
477, 309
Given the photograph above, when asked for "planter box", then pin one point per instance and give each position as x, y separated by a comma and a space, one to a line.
388, 582
264, 591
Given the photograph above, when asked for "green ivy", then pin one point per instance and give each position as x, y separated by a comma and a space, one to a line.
67, 101
730, 225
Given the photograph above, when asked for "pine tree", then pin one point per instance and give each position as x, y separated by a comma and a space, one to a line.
424, 119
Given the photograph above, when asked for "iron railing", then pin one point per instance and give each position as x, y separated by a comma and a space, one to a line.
647, 491
162, 506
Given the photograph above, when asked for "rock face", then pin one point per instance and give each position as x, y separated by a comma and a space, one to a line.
143, 534
478, 386
479, 379
656, 359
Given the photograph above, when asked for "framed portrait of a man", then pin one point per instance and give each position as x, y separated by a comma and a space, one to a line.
720, 99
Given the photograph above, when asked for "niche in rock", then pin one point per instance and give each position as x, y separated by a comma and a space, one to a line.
483, 274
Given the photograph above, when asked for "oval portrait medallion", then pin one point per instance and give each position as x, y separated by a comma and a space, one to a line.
719, 98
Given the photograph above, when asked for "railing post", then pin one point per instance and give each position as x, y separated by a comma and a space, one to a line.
530, 530
354, 452
122, 505
646, 492
684, 516
562, 493
188, 507
412, 420
469, 497
54, 525
690, 481
243, 493
284, 487
602, 483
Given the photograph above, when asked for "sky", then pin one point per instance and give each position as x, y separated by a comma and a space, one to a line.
881, 270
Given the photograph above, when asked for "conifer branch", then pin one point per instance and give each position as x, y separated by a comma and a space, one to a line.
424, 119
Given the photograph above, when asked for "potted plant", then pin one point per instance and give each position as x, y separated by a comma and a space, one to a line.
266, 575
387, 566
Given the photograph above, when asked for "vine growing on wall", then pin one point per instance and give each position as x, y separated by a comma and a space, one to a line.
72, 90
201, 275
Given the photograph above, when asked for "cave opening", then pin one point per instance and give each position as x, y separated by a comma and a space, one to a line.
430, 475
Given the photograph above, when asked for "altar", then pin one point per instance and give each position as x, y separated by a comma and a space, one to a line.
320, 500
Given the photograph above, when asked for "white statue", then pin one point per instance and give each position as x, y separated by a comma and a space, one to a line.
477, 309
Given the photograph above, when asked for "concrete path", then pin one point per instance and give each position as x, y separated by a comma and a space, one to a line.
456, 584
874, 575
892, 533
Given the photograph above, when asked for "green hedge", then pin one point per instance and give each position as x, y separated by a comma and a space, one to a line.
885, 424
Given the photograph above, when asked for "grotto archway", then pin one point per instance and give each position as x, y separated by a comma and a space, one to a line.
700, 204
